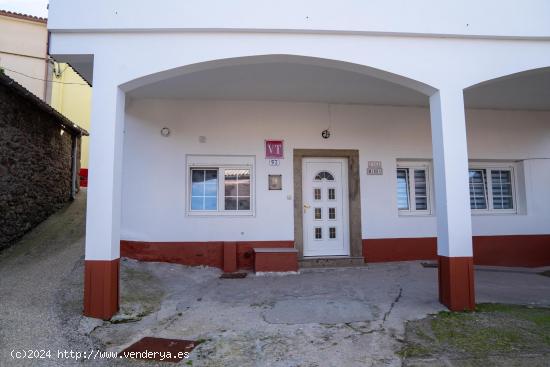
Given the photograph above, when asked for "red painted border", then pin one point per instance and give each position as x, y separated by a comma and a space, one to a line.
196, 253
399, 249
519, 250
456, 283
522, 250
101, 288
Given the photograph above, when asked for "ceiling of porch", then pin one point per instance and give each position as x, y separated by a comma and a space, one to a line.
314, 83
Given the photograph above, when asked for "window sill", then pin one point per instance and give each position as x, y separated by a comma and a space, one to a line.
415, 214
220, 214
490, 214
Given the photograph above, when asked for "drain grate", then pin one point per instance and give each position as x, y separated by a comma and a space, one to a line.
428, 265
160, 349
233, 275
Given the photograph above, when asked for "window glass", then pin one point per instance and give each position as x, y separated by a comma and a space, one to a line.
420, 189
317, 194
403, 189
478, 189
318, 233
318, 214
501, 184
237, 189
324, 175
204, 189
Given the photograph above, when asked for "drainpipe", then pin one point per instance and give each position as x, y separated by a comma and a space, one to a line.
73, 165
47, 74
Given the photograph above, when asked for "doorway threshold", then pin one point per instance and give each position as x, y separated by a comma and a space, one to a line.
331, 261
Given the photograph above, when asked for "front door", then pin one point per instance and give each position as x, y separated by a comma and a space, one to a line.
325, 206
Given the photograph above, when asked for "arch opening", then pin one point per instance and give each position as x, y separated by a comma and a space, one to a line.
281, 78
527, 90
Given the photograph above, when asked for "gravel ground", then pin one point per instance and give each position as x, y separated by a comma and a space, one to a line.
33, 276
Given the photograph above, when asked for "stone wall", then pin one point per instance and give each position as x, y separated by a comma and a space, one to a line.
35, 165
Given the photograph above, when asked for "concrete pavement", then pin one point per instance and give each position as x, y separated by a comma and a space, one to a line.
321, 317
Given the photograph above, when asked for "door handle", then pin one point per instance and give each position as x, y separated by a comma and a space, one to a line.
306, 207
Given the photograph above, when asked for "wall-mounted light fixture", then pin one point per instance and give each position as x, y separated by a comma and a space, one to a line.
165, 132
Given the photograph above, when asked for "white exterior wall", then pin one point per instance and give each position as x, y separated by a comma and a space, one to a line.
154, 168
468, 17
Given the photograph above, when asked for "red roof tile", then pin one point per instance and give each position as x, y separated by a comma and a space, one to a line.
32, 18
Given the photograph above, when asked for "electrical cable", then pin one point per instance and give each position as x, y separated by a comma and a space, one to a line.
35, 78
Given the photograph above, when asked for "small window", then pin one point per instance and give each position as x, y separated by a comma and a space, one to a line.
221, 190
492, 189
318, 233
332, 194
318, 214
324, 175
332, 233
413, 194
317, 194
331, 213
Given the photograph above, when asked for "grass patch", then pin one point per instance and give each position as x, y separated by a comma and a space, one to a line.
492, 330
412, 351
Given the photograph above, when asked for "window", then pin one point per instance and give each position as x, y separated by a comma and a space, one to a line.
317, 194
237, 189
492, 189
324, 175
221, 190
204, 189
318, 214
318, 233
491, 185
413, 194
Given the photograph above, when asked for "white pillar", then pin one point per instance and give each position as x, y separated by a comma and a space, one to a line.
104, 194
454, 222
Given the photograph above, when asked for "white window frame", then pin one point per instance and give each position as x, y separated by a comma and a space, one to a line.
411, 166
498, 166
222, 164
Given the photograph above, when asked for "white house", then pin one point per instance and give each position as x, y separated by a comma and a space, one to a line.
350, 131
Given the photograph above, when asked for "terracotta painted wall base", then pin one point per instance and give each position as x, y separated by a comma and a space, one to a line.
101, 288
456, 283
197, 253
518, 251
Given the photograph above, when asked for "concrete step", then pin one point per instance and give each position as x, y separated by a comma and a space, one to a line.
275, 260
331, 262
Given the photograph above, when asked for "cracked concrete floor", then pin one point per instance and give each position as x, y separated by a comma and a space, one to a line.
321, 317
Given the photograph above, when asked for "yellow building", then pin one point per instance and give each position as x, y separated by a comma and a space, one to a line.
72, 96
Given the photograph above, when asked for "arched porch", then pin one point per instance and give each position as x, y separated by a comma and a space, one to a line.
227, 108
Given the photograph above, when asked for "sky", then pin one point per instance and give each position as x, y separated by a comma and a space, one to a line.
31, 7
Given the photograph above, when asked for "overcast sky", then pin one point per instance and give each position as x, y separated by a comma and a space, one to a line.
31, 7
